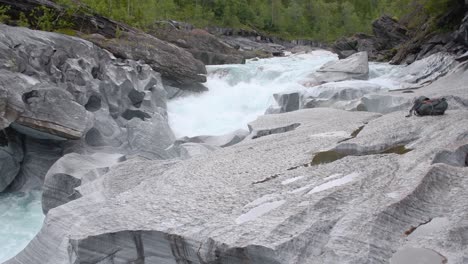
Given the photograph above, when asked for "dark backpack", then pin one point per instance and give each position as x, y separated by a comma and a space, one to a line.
424, 106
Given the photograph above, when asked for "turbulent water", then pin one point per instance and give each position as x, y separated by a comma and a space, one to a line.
239, 94
20, 219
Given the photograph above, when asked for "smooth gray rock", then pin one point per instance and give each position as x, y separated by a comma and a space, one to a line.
222, 141
11, 156
53, 111
39, 155
70, 172
286, 102
354, 67
60, 88
346, 96
262, 201
189, 150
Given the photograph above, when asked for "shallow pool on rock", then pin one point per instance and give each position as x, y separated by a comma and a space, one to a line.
21, 218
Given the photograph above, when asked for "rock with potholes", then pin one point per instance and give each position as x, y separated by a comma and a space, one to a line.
60, 88
176, 65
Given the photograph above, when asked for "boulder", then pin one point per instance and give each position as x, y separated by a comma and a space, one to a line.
52, 111
353, 67
175, 64
388, 33
201, 44
360, 42
340, 95
285, 102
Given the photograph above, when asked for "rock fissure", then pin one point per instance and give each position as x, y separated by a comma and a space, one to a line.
413, 228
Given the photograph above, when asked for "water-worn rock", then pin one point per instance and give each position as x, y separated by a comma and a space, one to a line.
203, 46
39, 155
59, 88
175, 64
286, 102
11, 156
263, 201
72, 171
222, 141
353, 67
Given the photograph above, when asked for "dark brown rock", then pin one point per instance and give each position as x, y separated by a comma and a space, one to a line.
201, 44
175, 64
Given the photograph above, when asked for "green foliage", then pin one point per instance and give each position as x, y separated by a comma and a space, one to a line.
3, 14
66, 31
44, 18
23, 20
324, 20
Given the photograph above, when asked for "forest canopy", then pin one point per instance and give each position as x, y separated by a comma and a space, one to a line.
322, 20
314, 19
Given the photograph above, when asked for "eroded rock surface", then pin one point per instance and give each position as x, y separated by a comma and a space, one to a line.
62, 94
261, 200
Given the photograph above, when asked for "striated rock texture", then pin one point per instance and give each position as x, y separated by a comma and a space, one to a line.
175, 64
203, 46
61, 94
276, 198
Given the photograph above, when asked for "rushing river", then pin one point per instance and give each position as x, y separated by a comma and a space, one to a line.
20, 219
238, 94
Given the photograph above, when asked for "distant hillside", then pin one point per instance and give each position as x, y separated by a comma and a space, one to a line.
324, 20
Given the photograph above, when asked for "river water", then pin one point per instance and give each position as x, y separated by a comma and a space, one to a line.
237, 94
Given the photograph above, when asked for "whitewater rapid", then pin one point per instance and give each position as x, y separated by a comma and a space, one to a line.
21, 218
238, 94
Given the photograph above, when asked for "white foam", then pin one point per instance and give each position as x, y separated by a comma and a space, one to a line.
258, 211
238, 94
20, 219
